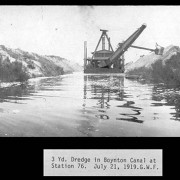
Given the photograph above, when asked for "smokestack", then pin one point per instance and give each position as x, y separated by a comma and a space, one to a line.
85, 54
103, 42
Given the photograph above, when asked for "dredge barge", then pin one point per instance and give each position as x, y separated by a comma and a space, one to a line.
108, 60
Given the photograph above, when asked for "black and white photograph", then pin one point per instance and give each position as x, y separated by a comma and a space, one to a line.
110, 73
93, 71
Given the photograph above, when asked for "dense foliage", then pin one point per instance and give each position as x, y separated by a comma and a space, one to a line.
167, 71
12, 71
162, 71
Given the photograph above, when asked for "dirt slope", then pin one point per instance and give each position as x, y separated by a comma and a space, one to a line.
38, 65
160, 68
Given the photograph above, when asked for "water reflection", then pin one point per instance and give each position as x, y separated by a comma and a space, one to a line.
167, 96
108, 90
28, 91
15, 93
104, 89
89, 105
131, 117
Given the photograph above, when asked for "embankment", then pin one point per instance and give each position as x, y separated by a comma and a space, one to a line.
19, 65
157, 68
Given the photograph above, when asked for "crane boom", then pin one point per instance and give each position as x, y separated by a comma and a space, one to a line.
158, 51
120, 51
139, 47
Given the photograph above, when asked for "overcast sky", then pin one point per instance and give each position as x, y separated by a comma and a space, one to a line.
62, 30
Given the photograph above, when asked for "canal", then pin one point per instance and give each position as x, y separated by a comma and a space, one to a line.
76, 105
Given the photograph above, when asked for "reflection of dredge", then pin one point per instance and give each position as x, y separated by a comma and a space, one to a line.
110, 61
107, 88
103, 90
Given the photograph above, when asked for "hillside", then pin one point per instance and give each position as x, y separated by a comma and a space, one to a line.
37, 65
159, 68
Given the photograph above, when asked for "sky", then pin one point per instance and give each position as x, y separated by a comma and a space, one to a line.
62, 30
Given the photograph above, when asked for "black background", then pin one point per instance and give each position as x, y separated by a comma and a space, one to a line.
23, 157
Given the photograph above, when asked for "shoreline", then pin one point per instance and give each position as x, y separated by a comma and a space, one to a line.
9, 84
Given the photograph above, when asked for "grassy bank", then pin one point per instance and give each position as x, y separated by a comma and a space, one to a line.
162, 71
13, 71
16, 72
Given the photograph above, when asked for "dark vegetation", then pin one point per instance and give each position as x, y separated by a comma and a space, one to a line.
162, 71
16, 72
142, 72
167, 71
30, 65
12, 71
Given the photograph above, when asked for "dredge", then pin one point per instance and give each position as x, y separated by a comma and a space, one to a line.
110, 61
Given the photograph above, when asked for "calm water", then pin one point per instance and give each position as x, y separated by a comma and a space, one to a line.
89, 105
